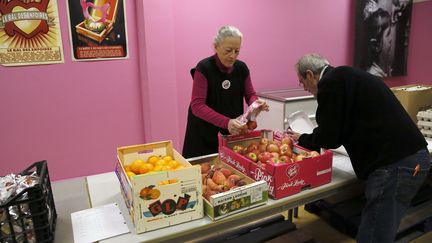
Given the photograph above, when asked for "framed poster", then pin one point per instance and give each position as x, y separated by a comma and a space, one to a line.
381, 36
30, 33
97, 29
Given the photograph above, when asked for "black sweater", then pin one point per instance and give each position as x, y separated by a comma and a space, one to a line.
358, 110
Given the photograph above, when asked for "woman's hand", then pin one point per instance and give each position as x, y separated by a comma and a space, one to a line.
263, 105
235, 127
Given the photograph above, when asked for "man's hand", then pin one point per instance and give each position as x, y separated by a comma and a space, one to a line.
293, 135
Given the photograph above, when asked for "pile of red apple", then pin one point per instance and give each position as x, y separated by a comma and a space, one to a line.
272, 151
216, 179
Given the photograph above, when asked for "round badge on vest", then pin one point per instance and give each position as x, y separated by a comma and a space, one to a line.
226, 84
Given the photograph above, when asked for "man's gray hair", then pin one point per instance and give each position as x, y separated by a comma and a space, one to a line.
313, 62
227, 31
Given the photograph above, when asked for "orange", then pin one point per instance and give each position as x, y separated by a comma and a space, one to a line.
173, 163
157, 168
130, 174
136, 165
167, 167
160, 162
146, 167
179, 167
167, 158
153, 159
127, 168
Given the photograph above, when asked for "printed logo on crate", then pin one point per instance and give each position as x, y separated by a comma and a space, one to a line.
166, 206
235, 160
257, 173
292, 171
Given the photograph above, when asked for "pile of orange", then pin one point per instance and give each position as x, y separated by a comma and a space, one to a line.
153, 164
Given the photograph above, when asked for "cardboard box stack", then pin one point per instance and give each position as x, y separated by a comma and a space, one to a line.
414, 98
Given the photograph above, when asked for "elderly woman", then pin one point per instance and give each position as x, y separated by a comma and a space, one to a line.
220, 83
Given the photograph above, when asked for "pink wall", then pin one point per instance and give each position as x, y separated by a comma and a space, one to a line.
420, 49
74, 114
53, 112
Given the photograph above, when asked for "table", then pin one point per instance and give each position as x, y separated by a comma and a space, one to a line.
80, 193
105, 189
70, 195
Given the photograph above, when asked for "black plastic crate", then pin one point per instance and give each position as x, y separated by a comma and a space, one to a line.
30, 216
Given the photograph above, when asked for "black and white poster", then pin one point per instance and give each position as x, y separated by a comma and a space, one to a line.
381, 36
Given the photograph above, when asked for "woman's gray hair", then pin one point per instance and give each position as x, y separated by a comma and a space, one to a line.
313, 62
227, 31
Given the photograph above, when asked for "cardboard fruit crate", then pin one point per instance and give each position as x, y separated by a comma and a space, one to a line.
151, 203
221, 205
283, 179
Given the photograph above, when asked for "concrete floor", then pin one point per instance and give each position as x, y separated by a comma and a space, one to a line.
321, 231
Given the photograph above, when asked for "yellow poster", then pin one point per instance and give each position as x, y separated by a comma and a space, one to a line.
30, 33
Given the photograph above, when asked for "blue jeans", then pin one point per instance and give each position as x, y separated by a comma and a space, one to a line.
389, 191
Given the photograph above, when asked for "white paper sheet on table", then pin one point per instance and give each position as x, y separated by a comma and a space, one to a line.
98, 223
342, 162
300, 122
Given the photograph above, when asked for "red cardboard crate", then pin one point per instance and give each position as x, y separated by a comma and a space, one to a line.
283, 179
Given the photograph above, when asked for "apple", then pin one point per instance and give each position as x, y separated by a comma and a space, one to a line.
264, 156
273, 160
238, 149
251, 147
264, 141
314, 154
256, 151
277, 142
285, 149
275, 155
252, 156
262, 147
251, 125
299, 157
288, 141
285, 159
272, 148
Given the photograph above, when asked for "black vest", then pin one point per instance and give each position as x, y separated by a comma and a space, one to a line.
201, 136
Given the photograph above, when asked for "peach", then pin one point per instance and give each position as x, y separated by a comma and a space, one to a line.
205, 167
218, 177
234, 178
226, 172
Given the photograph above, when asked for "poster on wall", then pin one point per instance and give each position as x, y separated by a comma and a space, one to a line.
381, 36
30, 33
97, 29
